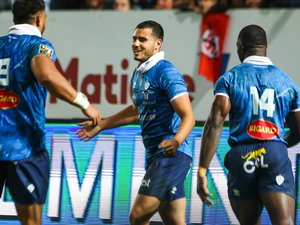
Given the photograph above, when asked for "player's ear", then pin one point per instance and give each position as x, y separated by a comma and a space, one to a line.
240, 46
240, 50
37, 20
158, 44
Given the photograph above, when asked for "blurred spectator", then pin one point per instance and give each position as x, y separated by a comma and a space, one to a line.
96, 4
164, 5
286, 3
146, 4
65, 4
236, 3
211, 6
184, 5
256, 3
135, 4
5, 4
122, 5
47, 5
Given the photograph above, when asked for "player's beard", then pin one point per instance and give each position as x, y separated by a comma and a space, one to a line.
141, 55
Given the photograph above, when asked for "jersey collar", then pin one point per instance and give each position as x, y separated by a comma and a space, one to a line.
26, 29
258, 60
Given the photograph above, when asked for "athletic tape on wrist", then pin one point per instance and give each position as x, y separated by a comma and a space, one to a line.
81, 101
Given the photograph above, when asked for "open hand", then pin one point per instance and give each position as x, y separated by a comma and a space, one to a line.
202, 190
88, 130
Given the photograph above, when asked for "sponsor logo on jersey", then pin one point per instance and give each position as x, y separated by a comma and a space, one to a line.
30, 188
236, 192
262, 130
279, 179
45, 50
254, 159
8, 99
146, 183
173, 190
255, 154
146, 85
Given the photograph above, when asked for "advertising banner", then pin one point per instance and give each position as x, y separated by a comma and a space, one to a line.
96, 182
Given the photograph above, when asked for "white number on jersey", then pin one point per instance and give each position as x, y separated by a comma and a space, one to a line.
266, 102
4, 71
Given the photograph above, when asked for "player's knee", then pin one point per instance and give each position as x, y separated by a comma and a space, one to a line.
133, 218
137, 218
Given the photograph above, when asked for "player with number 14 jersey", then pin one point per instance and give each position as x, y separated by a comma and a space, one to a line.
262, 108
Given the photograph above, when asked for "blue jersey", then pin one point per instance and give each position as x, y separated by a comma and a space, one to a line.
22, 97
152, 93
261, 96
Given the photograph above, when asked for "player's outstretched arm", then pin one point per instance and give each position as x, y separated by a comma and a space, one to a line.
210, 141
126, 116
88, 130
47, 74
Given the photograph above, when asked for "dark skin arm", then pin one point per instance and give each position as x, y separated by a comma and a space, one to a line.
210, 141
293, 122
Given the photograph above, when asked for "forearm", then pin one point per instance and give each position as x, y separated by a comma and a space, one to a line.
126, 116
209, 143
212, 132
185, 128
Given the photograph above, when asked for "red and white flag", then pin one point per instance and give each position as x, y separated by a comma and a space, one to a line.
213, 33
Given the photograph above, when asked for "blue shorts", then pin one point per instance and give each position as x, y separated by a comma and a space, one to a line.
165, 177
27, 179
258, 168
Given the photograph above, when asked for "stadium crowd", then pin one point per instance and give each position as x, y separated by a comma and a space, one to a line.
199, 6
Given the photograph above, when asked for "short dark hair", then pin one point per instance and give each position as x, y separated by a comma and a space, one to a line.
157, 29
252, 36
24, 10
